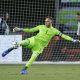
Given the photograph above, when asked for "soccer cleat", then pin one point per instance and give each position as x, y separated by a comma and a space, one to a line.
15, 46
7, 52
23, 71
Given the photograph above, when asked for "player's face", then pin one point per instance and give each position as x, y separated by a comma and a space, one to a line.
48, 22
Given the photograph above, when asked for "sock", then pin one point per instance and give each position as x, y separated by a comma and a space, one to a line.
25, 67
32, 59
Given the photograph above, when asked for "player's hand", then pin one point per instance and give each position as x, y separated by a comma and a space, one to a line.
76, 40
16, 29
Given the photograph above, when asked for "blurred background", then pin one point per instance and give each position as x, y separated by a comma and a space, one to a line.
30, 13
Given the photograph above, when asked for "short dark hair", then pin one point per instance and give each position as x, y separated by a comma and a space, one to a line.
49, 18
78, 13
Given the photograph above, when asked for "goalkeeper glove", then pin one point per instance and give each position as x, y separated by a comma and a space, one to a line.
17, 29
75, 40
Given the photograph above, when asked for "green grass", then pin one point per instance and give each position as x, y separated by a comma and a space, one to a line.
41, 72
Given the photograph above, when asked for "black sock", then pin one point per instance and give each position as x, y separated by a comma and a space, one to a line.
25, 67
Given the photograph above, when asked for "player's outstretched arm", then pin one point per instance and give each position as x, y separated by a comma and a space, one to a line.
66, 37
16, 29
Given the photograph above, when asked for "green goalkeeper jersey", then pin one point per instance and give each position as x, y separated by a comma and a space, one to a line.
45, 34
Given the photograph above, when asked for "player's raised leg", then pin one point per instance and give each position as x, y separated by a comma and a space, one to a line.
15, 46
28, 64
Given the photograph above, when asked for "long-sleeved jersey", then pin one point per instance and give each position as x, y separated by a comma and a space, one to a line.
45, 34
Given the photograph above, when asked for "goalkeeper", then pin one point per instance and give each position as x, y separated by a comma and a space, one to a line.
40, 41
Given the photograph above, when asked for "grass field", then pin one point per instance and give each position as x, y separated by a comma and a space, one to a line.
41, 72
